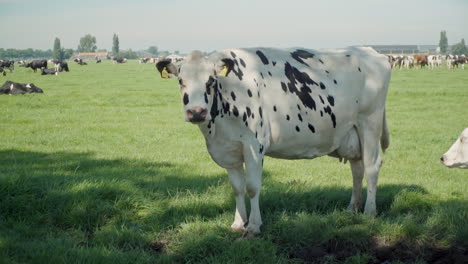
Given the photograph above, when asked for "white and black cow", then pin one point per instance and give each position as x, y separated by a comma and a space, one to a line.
61, 66
36, 64
457, 155
10, 87
297, 104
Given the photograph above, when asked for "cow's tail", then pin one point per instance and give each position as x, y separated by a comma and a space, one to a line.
385, 138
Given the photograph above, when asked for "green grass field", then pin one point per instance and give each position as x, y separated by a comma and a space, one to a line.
102, 168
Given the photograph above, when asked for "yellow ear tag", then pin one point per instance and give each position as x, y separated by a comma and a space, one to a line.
223, 72
164, 73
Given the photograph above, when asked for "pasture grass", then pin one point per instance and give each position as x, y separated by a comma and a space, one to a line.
101, 168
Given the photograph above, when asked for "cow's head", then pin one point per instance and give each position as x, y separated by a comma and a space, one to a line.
198, 81
457, 155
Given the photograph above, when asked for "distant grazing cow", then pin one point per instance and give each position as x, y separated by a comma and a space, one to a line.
119, 60
10, 87
49, 71
7, 64
98, 61
289, 104
460, 60
144, 60
420, 60
457, 155
37, 64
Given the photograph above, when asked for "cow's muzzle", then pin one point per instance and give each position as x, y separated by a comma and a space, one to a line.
196, 114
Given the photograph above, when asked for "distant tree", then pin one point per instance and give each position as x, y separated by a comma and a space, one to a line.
128, 54
115, 45
176, 52
459, 48
87, 44
68, 53
153, 50
57, 52
443, 42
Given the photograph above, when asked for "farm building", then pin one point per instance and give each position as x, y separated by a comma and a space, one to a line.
91, 55
395, 49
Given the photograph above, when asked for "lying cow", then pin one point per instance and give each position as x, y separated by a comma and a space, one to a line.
297, 104
10, 87
119, 60
45, 71
457, 155
36, 64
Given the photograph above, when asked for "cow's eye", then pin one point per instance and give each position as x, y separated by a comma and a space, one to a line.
181, 83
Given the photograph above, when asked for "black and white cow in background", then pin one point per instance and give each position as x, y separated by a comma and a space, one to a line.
7, 64
10, 87
288, 104
61, 66
2, 71
119, 60
36, 64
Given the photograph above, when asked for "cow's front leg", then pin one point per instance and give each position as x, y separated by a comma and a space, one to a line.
237, 179
253, 165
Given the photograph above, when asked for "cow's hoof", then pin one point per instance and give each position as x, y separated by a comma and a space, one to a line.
238, 228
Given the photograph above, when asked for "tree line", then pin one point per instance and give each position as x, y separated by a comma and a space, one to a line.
457, 49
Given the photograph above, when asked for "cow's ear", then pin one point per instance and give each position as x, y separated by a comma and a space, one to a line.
224, 67
166, 69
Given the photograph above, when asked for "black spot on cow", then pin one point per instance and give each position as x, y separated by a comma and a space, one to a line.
247, 124
322, 86
209, 132
331, 100
235, 111
220, 86
181, 83
321, 113
262, 56
359, 69
233, 95
209, 84
333, 118
261, 149
233, 54
244, 117
249, 112
186, 99
297, 129
287, 117
242, 62
327, 109
226, 107
302, 79
274, 63
256, 134
261, 123
321, 99
206, 98
299, 107
284, 87
260, 112
214, 107
258, 93
261, 74
312, 128
274, 108
299, 117
347, 55
327, 71
298, 55
269, 73
249, 92
335, 81
321, 61
209, 124
253, 115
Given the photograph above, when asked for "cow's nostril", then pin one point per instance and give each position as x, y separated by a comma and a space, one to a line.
442, 158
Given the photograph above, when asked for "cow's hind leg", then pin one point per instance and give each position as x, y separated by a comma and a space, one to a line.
370, 136
356, 197
237, 179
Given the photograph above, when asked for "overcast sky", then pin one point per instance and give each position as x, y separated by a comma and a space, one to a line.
216, 24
